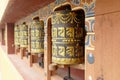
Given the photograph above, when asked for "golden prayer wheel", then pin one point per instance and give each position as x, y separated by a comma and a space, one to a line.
17, 35
37, 36
68, 37
24, 35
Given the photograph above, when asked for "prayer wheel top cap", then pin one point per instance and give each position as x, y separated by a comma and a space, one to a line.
79, 11
36, 18
62, 7
24, 22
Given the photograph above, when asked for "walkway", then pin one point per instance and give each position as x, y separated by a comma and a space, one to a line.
0, 76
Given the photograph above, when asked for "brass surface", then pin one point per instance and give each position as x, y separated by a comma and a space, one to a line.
24, 35
37, 36
16, 35
68, 37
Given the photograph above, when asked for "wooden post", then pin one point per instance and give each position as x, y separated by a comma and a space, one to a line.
33, 58
9, 37
17, 49
47, 50
22, 52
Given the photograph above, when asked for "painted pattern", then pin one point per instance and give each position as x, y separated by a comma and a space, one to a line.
76, 2
90, 37
89, 9
37, 36
24, 35
44, 13
66, 39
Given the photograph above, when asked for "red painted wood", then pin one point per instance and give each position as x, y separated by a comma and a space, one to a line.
22, 8
9, 37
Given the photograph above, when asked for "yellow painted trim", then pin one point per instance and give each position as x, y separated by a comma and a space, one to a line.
89, 18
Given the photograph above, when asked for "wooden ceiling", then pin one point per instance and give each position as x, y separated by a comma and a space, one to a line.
18, 9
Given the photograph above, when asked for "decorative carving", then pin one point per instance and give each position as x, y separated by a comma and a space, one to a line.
65, 17
37, 36
87, 1
24, 35
17, 35
76, 2
59, 1
67, 36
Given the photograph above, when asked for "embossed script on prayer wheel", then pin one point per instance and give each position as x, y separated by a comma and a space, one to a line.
16, 35
37, 36
67, 37
24, 35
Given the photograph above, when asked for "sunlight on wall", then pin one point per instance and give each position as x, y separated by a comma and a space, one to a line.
3, 5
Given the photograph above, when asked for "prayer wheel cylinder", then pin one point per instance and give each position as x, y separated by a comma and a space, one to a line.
24, 35
68, 37
17, 35
37, 36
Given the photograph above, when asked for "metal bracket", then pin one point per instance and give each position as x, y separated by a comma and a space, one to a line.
69, 75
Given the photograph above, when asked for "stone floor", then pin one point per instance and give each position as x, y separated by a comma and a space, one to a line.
28, 73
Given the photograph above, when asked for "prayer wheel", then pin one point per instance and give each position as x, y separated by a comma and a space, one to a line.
24, 35
68, 37
37, 36
17, 35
